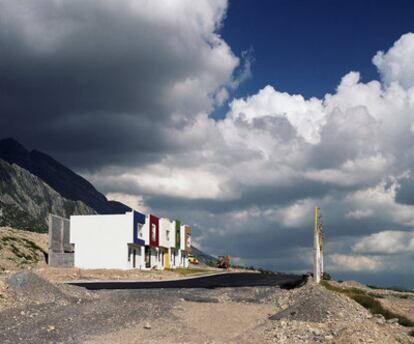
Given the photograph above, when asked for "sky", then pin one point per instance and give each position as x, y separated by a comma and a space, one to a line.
236, 117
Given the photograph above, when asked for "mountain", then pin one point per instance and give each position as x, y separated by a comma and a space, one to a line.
26, 201
64, 181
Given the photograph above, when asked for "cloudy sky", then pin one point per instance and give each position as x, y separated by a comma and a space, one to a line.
236, 117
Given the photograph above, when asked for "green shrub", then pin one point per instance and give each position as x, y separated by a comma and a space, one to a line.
376, 295
405, 297
326, 276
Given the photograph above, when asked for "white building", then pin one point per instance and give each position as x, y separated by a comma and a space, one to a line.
185, 245
108, 241
127, 241
167, 241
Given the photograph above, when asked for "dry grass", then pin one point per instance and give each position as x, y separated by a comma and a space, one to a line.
186, 272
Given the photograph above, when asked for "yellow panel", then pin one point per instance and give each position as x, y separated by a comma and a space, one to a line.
167, 260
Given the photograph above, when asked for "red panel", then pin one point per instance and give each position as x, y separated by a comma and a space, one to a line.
154, 230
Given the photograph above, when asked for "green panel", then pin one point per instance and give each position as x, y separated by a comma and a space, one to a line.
177, 234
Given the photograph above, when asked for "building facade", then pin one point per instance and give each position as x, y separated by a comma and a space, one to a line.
128, 241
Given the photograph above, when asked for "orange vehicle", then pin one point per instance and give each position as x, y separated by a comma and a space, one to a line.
192, 260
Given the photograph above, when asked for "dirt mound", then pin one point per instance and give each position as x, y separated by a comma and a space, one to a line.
29, 286
313, 303
20, 249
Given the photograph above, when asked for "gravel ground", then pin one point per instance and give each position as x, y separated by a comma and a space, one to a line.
74, 321
69, 314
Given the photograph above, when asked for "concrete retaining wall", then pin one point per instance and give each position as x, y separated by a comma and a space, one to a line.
60, 249
66, 259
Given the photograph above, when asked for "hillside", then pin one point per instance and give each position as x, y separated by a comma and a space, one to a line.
26, 201
60, 178
22, 249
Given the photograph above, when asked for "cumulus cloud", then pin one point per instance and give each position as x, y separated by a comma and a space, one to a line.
116, 78
396, 64
386, 242
133, 201
275, 156
342, 262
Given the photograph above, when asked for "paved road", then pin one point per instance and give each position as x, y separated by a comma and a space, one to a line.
238, 279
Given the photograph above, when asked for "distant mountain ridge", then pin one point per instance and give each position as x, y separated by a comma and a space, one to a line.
64, 181
26, 201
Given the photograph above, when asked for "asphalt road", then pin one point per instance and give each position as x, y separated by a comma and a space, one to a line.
225, 280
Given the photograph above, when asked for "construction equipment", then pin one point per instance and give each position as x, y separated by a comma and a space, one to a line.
223, 262
192, 259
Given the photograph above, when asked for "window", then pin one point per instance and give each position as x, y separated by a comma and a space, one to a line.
153, 232
168, 235
140, 230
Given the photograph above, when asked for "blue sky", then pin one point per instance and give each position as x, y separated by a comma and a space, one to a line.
305, 47
146, 100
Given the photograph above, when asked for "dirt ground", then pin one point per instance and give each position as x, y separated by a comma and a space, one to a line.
47, 312
36, 307
193, 322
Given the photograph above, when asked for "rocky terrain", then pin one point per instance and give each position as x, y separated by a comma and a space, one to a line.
36, 306
24, 196
33, 184
46, 312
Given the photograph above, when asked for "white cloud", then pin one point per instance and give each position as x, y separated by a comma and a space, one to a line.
160, 179
298, 214
360, 213
396, 65
386, 242
132, 201
355, 263
274, 157
351, 172
305, 115
379, 202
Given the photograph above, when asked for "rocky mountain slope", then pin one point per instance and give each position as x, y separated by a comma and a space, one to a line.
26, 201
65, 182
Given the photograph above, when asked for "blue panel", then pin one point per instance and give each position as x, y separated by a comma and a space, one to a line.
138, 218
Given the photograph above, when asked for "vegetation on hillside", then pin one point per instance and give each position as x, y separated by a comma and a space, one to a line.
21, 251
399, 289
368, 300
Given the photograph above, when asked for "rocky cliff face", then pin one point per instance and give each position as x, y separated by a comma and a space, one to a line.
64, 181
26, 200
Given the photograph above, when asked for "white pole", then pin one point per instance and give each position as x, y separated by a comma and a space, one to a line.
317, 248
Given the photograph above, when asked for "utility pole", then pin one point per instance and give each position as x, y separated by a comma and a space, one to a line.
318, 245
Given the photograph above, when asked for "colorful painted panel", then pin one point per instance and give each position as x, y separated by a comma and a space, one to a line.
139, 221
187, 238
177, 234
154, 228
